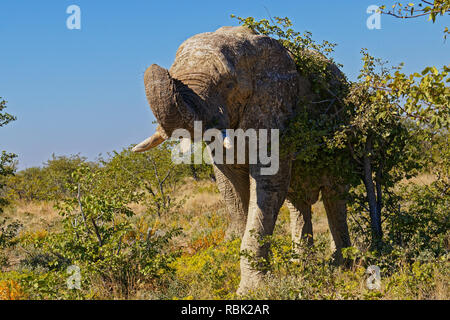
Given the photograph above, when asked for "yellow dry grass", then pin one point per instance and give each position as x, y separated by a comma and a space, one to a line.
423, 179
35, 216
11, 290
319, 218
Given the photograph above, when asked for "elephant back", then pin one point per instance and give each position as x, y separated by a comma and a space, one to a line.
252, 74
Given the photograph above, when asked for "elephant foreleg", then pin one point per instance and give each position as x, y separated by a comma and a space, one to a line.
267, 194
234, 186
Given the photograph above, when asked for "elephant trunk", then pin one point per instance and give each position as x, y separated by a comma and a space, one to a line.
166, 98
176, 106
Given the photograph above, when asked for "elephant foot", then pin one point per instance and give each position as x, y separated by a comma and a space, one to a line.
339, 261
250, 282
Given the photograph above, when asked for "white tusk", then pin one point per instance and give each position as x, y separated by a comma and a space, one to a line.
149, 143
226, 140
227, 143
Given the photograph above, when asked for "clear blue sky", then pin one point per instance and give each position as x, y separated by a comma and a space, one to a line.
81, 91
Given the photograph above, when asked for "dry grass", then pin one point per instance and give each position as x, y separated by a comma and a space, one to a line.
202, 202
34, 216
319, 218
36, 219
423, 179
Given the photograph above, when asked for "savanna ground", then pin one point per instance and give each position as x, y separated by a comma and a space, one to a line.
206, 265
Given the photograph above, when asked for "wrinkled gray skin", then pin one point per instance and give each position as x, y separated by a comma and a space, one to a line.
234, 78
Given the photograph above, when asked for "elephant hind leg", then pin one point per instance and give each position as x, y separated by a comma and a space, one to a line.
300, 207
301, 222
336, 209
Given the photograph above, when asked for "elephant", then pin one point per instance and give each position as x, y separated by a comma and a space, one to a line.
236, 78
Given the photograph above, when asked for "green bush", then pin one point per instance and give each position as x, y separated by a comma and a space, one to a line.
100, 239
46, 183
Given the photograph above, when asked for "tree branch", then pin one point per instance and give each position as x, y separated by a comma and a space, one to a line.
81, 209
97, 233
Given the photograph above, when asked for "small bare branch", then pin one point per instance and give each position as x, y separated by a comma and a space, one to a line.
97, 233
81, 209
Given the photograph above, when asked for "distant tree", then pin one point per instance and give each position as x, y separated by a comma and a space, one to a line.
29, 184
58, 173
48, 182
6, 159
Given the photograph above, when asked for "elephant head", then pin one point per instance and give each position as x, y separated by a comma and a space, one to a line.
175, 105
171, 103
205, 83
